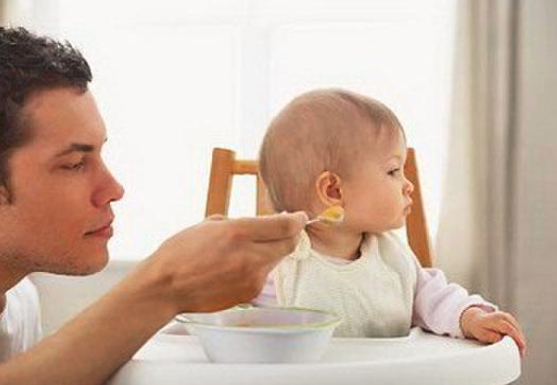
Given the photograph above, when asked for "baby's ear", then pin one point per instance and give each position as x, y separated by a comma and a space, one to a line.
329, 189
4, 195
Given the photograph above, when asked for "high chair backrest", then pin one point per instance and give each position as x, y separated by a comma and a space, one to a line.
225, 165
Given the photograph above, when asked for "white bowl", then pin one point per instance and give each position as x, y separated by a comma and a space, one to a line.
263, 335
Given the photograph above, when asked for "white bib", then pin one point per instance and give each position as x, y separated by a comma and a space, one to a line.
374, 294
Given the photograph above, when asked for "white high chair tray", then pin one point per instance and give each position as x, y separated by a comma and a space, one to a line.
419, 359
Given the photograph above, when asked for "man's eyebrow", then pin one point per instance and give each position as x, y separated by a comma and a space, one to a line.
77, 147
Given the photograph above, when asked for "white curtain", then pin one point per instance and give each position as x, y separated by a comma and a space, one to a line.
13, 12
498, 219
3, 13
37, 15
474, 237
535, 219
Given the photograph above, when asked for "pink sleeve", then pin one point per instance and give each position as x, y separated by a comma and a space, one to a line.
268, 296
438, 305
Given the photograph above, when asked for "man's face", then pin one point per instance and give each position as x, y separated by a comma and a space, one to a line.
59, 220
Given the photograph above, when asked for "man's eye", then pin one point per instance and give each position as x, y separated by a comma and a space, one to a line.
74, 166
394, 171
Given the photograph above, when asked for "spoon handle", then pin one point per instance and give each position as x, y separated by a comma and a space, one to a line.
318, 219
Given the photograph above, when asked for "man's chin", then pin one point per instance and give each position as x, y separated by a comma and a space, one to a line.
96, 265
81, 267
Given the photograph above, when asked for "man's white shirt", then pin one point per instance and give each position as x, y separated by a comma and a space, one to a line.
20, 322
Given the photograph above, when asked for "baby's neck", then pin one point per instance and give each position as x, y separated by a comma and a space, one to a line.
334, 243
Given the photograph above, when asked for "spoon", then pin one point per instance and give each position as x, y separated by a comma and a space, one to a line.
331, 216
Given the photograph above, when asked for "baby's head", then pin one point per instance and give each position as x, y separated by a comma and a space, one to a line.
334, 147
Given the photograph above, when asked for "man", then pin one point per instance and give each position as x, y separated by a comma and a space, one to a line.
55, 216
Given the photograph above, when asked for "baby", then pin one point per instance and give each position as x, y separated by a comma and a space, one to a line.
337, 148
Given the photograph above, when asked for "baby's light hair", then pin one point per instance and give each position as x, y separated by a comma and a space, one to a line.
321, 130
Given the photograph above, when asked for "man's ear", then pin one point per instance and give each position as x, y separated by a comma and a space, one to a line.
329, 189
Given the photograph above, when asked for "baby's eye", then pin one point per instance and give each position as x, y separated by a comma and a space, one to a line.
394, 171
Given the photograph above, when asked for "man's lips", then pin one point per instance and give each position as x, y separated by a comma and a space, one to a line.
103, 229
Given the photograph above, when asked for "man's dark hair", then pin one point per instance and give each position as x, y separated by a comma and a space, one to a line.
28, 64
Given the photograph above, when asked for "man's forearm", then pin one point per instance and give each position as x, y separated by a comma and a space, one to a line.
99, 340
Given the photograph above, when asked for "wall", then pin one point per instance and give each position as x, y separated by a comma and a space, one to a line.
63, 297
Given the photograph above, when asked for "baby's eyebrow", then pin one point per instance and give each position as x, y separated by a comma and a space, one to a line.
399, 157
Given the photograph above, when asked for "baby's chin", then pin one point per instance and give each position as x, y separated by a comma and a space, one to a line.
376, 228
395, 226
383, 229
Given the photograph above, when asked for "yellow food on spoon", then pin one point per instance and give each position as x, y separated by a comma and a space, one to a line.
332, 216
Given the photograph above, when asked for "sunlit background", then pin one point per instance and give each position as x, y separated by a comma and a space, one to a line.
175, 80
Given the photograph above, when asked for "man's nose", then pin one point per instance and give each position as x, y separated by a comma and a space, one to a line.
118, 191
110, 190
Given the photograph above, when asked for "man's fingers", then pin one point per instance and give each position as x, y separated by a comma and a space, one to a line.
269, 228
274, 251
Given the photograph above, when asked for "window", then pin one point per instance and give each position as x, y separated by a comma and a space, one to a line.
175, 78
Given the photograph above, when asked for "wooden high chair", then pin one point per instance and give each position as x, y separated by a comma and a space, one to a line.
225, 165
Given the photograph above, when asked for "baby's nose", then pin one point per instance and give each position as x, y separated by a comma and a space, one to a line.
408, 188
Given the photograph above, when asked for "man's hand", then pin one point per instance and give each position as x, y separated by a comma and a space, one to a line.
222, 262
491, 327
